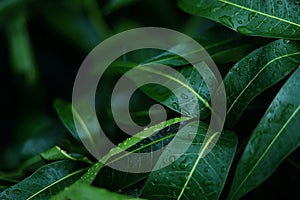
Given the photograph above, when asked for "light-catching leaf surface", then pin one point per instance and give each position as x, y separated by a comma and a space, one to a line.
258, 71
269, 18
45, 182
191, 176
94, 170
275, 137
193, 94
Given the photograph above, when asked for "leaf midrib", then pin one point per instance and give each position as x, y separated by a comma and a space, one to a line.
266, 150
179, 82
56, 182
260, 13
253, 79
196, 163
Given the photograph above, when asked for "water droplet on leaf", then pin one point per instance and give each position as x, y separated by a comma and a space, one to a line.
175, 105
227, 21
244, 30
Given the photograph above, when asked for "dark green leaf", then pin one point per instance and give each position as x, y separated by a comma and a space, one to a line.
45, 182
275, 137
93, 171
270, 18
114, 5
193, 176
21, 52
258, 71
87, 192
64, 111
192, 95
222, 44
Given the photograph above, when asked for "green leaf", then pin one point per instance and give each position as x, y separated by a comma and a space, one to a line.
89, 177
87, 192
222, 44
119, 180
114, 5
21, 53
275, 137
270, 18
192, 95
45, 182
193, 176
258, 71
64, 111
56, 153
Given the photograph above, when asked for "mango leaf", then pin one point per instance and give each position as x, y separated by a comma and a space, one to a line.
72, 25
222, 44
56, 153
275, 137
87, 192
89, 177
64, 112
192, 176
274, 19
21, 52
192, 95
256, 72
45, 182
115, 180
114, 5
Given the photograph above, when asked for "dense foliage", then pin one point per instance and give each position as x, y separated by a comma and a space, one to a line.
255, 45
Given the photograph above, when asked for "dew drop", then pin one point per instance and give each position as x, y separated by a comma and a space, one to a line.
172, 159
184, 96
244, 30
223, 169
297, 2
227, 21
286, 41
17, 191
206, 169
152, 183
184, 178
208, 182
184, 165
175, 105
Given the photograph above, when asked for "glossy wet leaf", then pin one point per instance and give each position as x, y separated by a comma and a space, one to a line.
270, 18
223, 46
192, 176
258, 71
94, 170
87, 192
45, 182
275, 137
194, 94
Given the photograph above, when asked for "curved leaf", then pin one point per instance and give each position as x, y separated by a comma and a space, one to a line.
193, 93
89, 177
222, 44
269, 18
258, 71
192, 176
45, 182
275, 137
64, 112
